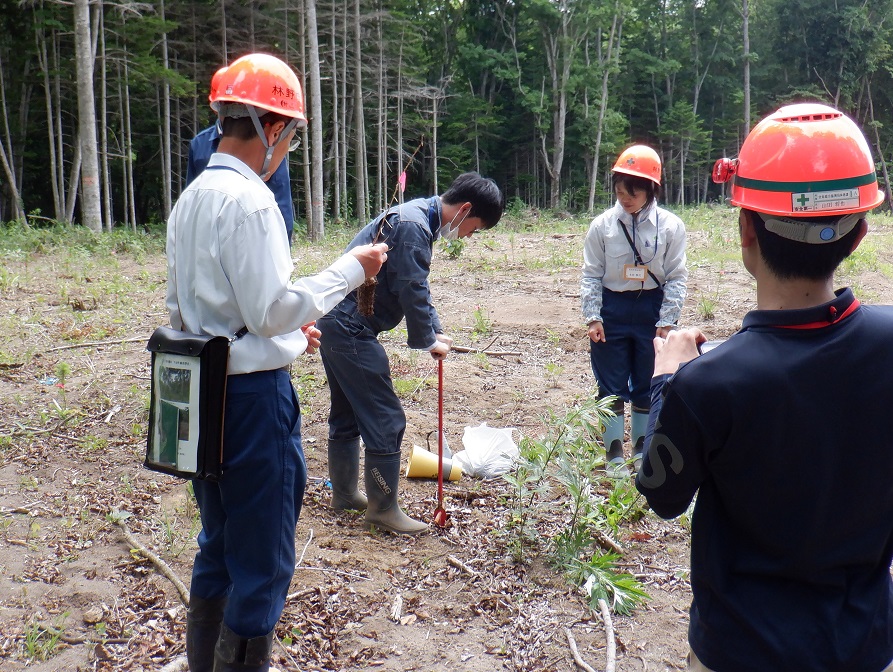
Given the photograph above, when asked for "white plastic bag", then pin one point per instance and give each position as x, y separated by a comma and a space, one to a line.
489, 451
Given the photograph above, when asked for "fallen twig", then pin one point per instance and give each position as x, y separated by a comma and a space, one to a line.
135, 339
423, 381
607, 543
41, 430
309, 539
68, 639
489, 353
301, 594
458, 564
490, 344
26, 508
19, 509
179, 664
578, 659
290, 657
397, 608
162, 566
609, 634
329, 570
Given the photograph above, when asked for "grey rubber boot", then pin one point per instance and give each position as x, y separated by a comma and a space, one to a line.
242, 654
615, 464
203, 620
638, 450
638, 427
344, 474
382, 484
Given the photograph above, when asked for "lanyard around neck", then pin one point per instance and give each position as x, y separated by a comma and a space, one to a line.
636, 255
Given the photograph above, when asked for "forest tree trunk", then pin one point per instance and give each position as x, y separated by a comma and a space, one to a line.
91, 214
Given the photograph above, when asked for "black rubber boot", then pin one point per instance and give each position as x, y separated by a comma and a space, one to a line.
203, 620
344, 474
241, 654
382, 484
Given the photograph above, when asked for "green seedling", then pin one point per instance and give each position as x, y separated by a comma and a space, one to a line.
483, 325
559, 474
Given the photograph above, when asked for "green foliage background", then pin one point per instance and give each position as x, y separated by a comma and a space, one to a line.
676, 83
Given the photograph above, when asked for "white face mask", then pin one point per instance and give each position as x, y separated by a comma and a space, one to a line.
450, 232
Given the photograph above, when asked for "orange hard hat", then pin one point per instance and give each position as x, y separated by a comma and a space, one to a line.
215, 84
262, 81
641, 161
803, 160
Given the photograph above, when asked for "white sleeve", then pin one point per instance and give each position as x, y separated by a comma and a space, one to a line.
593, 271
256, 256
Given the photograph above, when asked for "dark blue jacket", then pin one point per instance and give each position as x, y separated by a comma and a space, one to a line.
205, 143
409, 230
782, 431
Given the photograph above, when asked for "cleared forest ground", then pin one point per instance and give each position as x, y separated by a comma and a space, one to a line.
75, 501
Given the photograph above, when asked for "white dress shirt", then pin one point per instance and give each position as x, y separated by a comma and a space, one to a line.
659, 236
229, 267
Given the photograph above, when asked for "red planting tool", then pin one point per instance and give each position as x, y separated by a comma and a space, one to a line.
440, 514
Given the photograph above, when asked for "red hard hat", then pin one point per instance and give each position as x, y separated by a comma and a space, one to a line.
641, 161
263, 81
804, 160
215, 84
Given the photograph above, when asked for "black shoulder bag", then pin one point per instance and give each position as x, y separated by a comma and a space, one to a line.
187, 400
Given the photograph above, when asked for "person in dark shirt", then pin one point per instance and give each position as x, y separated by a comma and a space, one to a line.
778, 430
364, 403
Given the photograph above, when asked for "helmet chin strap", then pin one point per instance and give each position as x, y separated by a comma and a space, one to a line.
811, 232
268, 156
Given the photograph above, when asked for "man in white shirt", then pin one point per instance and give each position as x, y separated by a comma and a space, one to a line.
229, 269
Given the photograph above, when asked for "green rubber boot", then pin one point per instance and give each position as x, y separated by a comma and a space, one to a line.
615, 464
638, 427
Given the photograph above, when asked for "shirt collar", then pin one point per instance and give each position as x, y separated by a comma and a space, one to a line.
646, 214
435, 215
842, 306
221, 160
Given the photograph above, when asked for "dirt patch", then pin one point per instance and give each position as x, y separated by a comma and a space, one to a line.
71, 450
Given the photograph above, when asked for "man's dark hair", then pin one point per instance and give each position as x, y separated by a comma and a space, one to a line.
633, 184
242, 128
487, 200
790, 259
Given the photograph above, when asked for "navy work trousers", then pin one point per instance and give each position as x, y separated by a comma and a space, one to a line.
624, 363
363, 399
247, 542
